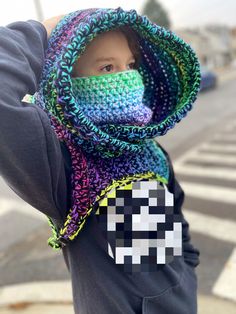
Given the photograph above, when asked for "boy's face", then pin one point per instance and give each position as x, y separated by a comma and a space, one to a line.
108, 53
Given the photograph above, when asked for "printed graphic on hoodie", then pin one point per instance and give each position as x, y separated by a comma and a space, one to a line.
140, 226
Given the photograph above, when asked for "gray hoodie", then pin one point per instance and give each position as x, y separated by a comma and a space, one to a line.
36, 167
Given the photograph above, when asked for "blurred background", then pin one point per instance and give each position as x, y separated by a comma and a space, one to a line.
202, 148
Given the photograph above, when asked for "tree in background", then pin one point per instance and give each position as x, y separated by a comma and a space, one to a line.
156, 13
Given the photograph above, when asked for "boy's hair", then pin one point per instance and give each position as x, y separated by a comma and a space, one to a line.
133, 42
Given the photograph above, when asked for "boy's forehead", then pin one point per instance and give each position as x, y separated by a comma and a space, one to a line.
111, 35
107, 47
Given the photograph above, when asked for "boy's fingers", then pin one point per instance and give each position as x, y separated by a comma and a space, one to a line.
51, 23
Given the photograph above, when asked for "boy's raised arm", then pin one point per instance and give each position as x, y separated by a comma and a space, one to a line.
31, 160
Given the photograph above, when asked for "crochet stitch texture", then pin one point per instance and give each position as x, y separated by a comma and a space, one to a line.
113, 154
112, 98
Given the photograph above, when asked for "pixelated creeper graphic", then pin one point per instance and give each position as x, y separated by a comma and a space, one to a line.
140, 226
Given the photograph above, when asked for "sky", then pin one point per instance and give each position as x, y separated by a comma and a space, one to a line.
183, 13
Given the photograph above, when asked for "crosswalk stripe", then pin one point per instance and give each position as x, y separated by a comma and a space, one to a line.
221, 229
199, 171
7, 205
217, 147
209, 192
225, 285
211, 146
225, 137
205, 157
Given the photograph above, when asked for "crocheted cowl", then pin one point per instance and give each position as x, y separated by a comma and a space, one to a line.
111, 155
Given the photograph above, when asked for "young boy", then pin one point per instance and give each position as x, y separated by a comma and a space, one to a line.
82, 151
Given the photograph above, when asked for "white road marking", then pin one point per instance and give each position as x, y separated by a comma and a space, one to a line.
224, 137
217, 228
225, 285
213, 172
216, 158
218, 147
209, 192
8, 205
226, 147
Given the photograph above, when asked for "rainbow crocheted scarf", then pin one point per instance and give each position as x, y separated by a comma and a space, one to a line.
111, 155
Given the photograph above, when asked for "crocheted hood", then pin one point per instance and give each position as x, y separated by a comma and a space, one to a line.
110, 155
169, 69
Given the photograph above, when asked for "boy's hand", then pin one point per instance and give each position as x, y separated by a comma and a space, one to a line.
51, 23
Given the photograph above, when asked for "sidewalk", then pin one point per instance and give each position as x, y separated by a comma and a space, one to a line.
225, 73
56, 297
37, 297
39, 309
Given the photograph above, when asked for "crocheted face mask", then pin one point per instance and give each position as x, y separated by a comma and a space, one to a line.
114, 98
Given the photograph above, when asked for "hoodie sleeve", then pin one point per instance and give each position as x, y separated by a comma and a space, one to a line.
191, 254
31, 160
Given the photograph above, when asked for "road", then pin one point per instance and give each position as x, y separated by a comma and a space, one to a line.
203, 150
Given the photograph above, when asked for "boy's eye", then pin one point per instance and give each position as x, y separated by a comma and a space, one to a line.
107, 67
132, 65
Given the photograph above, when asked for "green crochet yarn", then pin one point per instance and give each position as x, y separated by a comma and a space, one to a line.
128, 79
112, 98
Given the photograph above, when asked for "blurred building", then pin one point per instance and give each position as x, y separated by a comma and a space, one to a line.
213, 44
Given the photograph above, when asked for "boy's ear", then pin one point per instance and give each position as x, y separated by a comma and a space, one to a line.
75, 69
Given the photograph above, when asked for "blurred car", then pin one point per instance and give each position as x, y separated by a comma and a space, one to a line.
208, 79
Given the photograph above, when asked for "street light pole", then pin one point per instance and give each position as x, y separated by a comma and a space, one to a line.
39, 10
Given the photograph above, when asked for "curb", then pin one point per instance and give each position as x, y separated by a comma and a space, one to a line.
36, 292
39, 309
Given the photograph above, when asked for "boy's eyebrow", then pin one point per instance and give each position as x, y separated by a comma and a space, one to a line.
102, 59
